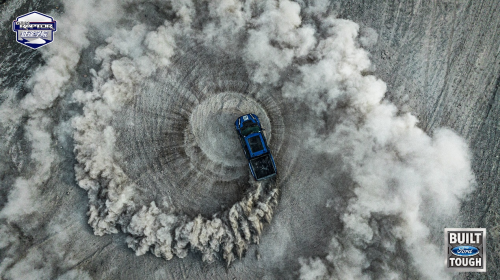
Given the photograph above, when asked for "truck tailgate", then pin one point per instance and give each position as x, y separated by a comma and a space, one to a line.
263, 166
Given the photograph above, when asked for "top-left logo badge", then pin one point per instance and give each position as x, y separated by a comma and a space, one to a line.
34, 29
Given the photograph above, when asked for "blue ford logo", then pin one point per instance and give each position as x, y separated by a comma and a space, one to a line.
465, 251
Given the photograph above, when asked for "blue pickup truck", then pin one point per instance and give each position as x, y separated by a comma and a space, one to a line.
254, 145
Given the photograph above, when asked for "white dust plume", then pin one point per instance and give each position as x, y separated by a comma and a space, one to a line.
401, 176
403, 181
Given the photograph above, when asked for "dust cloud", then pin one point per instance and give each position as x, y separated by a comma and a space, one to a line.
153, 170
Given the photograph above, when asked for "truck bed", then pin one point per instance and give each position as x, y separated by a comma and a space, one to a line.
263, 166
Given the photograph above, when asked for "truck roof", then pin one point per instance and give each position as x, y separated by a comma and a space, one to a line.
255, 144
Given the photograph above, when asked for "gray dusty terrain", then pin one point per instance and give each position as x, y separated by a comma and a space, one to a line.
442, 63
119, 134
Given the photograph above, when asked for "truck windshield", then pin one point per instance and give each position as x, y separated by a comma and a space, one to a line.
250, 129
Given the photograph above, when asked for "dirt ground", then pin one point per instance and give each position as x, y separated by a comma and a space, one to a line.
440, 61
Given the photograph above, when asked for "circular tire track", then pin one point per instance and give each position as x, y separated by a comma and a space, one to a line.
177, 140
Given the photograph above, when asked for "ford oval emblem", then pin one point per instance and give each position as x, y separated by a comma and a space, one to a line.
465, 251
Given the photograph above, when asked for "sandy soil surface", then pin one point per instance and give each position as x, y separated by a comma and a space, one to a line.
119, 160
441, 62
